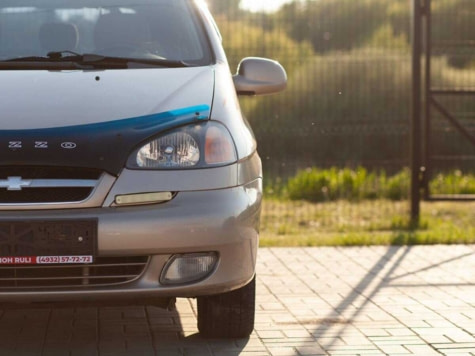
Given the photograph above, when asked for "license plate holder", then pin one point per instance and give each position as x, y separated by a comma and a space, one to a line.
24, 242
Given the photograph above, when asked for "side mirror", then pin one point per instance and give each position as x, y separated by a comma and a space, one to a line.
259, 76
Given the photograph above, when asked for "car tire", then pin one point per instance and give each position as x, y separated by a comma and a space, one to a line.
228, 315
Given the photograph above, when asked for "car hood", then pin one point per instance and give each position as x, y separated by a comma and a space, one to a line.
94, 119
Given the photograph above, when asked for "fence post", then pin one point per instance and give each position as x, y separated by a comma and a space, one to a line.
427, 100
416, 130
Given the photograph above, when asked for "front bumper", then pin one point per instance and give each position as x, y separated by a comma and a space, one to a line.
224, 221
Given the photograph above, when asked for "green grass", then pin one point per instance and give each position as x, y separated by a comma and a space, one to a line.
320, 185
324, 185
453, 183
369, 222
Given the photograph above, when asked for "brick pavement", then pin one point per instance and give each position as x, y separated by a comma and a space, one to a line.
311, 301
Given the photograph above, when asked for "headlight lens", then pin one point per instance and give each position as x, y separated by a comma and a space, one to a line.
176, 150
193, 146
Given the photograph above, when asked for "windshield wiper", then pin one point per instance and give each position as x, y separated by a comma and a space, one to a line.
50, 57
52, 61
91, 58
83, 61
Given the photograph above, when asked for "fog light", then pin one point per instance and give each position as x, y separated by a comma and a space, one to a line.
188, 268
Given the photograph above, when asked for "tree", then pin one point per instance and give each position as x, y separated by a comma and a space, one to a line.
243, 38
452, 26
334, 24
227, 7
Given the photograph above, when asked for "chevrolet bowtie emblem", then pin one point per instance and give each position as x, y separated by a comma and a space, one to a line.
14, 183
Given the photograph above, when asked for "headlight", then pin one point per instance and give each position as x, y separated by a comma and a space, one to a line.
176, 150
194, 146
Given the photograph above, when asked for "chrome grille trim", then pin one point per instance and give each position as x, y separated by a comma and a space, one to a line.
51, 183
106, 271
100, 189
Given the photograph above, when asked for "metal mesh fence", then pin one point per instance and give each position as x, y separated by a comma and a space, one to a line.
452, 47
347, 106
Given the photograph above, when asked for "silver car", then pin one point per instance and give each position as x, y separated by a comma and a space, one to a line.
128, 173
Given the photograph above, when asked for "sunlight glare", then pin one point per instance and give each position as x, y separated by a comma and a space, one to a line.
262, 5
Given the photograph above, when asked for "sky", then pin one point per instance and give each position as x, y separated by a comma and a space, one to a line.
262, 5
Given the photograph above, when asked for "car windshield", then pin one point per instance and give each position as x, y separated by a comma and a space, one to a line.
142, 29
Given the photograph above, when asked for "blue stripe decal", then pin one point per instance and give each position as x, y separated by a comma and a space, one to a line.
190, 110
147, 122
104, 145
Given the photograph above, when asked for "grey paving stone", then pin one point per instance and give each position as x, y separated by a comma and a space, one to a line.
311, 301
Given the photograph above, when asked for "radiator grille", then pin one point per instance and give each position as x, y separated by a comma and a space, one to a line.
44, 195
104, 271
49, 194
